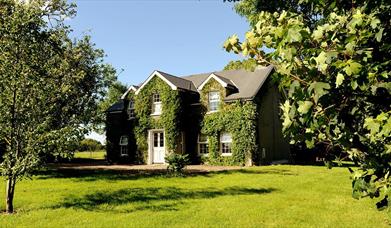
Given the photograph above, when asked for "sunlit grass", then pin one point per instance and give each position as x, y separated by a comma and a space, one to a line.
100, 154
271, 196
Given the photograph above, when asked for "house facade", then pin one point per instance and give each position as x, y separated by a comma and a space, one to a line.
219, 118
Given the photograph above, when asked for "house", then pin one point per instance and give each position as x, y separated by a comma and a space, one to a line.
225, 118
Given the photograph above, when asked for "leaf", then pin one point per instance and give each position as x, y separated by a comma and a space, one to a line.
340, 79
372, 126
379, 35
294, 34
320, 89
304, 106
352, 67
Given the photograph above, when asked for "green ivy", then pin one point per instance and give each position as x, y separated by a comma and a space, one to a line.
169, 120
238, 119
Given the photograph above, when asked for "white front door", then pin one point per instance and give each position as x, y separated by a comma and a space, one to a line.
158, 152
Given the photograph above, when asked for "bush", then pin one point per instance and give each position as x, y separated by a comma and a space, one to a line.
176, 163
90, 145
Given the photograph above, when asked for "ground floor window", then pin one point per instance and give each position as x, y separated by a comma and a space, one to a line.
225, 143
123, 143
203, 146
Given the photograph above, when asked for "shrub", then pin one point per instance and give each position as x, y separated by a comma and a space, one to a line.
177, 163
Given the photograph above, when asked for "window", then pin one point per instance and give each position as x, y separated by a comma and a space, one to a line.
225, 142
131, 113
123, 143
156, 104
203, 146
214, 101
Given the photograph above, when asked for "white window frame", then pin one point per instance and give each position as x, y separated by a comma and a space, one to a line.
131, 113
156, 102
123, 143
214, 101
203, 143
225, 141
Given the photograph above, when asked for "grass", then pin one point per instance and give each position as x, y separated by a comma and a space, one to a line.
96, 155
271, 196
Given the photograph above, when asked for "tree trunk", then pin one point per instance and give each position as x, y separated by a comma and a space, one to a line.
10, 195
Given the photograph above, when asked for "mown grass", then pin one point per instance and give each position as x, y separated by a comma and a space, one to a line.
96, 155
272, 196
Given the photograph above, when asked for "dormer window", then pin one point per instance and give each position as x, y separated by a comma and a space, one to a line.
131, 113
214, 101
156, 104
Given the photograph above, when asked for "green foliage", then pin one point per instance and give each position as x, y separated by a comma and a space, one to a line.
90, 145
333, 60
247, 64
238, 119
114, 92
177, 163
169, 120
50, 86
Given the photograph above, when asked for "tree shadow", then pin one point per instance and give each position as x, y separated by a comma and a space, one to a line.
154, 199
253, 172
90, 175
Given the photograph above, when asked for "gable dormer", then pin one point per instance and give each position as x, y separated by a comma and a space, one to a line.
213, 91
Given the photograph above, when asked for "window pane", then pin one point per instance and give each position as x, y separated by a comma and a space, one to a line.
155, 139
204, 148
156, 97
123, 140
203, 138
156, 108
161, 140
214, 96
225, 137
226, 148
124, 150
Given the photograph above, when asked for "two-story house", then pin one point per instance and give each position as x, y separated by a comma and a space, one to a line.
226, 117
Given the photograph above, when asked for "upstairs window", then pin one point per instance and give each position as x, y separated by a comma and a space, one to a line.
225, 144
123, 143
214, 101
203, 146
156, 104
131, 113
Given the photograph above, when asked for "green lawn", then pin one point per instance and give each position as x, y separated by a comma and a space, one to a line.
91, 154
271, 196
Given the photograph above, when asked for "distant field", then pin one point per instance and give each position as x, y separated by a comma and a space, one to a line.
269, 196
91, 154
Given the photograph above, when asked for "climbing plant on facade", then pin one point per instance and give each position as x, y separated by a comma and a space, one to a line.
169, 120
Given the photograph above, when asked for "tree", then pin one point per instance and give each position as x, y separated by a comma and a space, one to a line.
89, 145
115, 91
332, 58
247, 64
50, 86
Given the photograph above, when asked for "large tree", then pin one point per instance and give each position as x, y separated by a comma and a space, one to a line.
332, 58
50, 86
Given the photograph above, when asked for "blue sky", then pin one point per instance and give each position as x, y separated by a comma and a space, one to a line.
180, 37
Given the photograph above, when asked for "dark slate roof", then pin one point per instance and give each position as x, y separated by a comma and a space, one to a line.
226, 80
247, 83
179, 82
117, 107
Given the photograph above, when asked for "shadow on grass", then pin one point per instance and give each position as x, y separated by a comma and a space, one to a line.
95, 175
154, 199
90, 175
256, 171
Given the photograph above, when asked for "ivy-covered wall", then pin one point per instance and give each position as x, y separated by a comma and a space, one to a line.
238, 119
253, 125
170, 119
